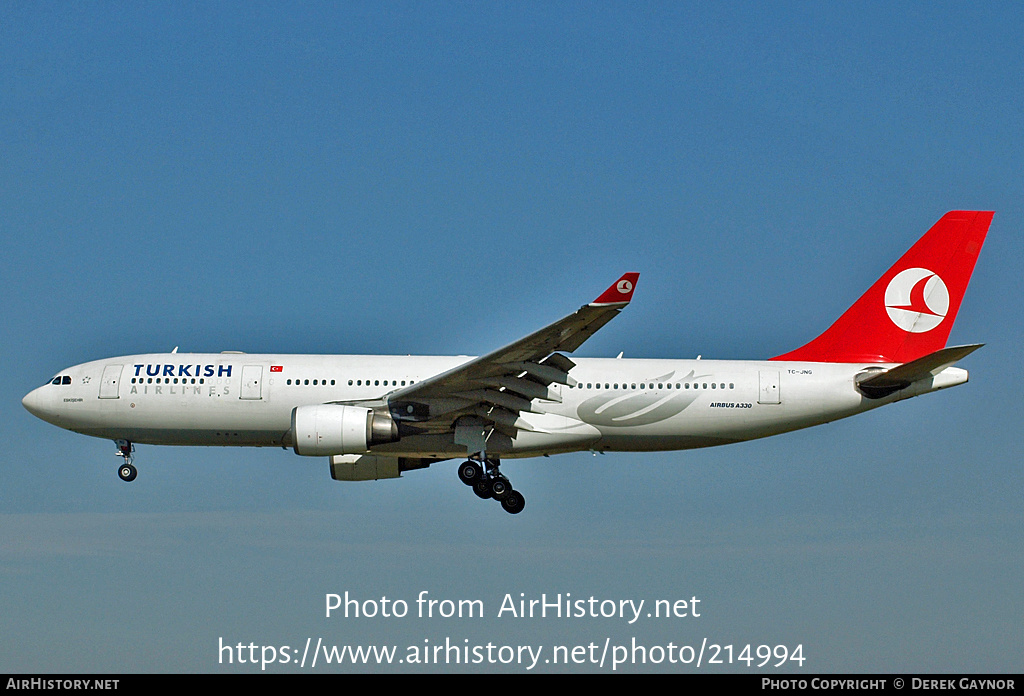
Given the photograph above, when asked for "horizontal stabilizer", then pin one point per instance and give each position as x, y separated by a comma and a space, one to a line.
878, 384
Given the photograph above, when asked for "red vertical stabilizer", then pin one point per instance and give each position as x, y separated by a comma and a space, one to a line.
909, 312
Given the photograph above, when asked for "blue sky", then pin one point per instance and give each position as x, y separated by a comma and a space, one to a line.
444, 178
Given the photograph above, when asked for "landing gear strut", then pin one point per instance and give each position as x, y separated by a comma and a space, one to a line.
491, 483
126, 471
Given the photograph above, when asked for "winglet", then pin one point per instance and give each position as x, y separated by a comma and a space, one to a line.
621, 291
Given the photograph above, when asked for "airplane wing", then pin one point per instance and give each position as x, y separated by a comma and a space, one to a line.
497, 387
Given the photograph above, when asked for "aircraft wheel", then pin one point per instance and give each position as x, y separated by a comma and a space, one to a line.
127, 472
482, 488
470, 472
500, 487
513, 502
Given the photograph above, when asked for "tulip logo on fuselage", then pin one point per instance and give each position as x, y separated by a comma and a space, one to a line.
917, 300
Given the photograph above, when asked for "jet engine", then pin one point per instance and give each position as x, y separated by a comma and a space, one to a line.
340, 429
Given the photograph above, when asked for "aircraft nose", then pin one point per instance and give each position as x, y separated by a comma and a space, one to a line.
35, 402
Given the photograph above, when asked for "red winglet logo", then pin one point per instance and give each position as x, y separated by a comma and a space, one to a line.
620, 292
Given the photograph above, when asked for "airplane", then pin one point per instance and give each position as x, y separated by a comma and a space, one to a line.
378, 416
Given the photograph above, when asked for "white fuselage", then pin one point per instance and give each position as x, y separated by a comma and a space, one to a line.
616, 405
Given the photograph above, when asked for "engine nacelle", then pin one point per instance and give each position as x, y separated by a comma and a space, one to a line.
339, 429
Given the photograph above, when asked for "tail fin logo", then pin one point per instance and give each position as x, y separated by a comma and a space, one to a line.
917, 300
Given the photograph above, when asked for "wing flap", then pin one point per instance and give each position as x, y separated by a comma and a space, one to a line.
527, 388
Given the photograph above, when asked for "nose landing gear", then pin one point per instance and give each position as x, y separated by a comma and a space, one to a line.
126, 471
492, 484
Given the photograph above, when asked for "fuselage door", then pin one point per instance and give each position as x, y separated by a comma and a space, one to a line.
769, 388
252, 382
111, 381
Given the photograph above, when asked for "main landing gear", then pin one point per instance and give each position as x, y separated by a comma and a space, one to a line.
491, 484
126, 471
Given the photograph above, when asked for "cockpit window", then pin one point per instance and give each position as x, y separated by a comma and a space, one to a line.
66, 380
55, 380
61, 379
